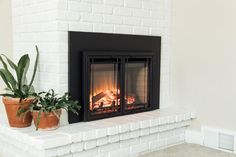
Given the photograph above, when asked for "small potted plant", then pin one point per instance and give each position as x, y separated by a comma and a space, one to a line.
47, 111
19, 93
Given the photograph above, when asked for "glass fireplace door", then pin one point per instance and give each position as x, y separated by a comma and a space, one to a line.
137, 74
104, 86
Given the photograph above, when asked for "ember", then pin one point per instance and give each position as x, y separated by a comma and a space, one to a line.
108, 100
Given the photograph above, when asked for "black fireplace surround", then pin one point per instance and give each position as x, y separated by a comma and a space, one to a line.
113, 74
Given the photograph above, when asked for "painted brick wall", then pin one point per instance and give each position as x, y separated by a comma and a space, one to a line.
46, 24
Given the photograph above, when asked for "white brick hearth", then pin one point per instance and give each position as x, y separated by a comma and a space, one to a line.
124, 136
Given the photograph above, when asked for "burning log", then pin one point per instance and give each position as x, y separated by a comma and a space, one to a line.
98, 97
108, 100
105, 96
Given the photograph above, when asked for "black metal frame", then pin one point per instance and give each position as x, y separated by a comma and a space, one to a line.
83, 46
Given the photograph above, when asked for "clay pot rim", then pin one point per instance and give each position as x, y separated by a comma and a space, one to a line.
16, 99
57, 110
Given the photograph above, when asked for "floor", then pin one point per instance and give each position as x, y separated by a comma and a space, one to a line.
188, 150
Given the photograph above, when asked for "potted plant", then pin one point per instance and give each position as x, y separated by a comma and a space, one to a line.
47, 111
19, 93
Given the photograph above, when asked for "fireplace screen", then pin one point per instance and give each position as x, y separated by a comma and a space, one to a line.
118, 84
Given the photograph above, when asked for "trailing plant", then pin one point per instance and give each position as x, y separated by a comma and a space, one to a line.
17, 85
51, 102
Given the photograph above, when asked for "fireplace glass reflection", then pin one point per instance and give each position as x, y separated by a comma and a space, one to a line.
136, 84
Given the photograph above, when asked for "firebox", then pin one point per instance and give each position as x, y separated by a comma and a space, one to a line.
113, 74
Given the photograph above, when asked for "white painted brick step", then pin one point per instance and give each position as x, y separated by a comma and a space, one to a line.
147, 130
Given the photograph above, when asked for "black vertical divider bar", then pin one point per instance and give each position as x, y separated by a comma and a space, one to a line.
150, 81
114, 80
122, 85
86, 85
92, 88
117, 82
125, 82
145, 82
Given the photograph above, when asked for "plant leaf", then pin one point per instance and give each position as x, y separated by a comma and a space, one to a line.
8, 79
38, 119
35, 66
24, 79
5, 80
12, 80
3, 63
20, 111
23, 65
20, 94
13, 66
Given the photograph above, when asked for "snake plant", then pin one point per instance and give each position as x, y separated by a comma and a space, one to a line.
17, 85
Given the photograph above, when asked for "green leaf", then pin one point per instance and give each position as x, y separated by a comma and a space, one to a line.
3, 63
13, 66
38, 119
35, 66
25, 89
12, 80
5, 79
20, 111
20, 94
23, 66
24, 79
8, 79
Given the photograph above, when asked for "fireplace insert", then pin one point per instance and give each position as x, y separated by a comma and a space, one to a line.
113, 74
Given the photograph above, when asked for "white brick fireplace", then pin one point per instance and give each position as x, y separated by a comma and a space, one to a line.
46, 23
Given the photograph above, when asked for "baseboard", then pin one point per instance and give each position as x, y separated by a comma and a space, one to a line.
209, 137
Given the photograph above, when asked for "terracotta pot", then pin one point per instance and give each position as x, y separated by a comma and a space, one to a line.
48, 121
12, 105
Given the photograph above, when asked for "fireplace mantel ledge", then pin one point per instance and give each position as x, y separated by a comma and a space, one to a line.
68, 139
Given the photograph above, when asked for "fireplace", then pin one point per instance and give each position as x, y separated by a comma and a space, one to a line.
117, 80
113, 74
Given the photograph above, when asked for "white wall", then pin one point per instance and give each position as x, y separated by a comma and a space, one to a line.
5, 30
203, 61
5, 35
